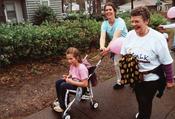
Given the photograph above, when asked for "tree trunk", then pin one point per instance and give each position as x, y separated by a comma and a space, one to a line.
62, 2
96, 7
116, 2
132, 4
82, 4
173, 2
2, 14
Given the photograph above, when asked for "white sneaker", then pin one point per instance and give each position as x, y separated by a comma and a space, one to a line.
56, 103
137, 114
58, 109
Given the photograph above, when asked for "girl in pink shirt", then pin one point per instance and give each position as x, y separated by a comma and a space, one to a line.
77, 77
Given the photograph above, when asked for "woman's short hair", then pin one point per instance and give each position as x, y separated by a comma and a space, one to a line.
110, 4
141, 11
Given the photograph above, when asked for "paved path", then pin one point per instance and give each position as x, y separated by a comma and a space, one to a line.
120, 104
114, 104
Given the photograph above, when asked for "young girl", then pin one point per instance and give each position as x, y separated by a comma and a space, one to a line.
77, 77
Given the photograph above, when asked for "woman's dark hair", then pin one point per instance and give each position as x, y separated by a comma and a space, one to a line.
112, 5
75, 52
141, 11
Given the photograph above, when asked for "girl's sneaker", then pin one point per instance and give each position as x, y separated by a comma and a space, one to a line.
58, 108
56, 103
137, 114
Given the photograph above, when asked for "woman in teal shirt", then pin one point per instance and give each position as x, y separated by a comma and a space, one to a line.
114, 27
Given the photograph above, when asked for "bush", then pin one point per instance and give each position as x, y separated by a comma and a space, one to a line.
97, 17
157, 19
44, 13
126, 17
22, 41
83, 16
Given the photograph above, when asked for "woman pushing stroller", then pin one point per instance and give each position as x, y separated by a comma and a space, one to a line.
77, 77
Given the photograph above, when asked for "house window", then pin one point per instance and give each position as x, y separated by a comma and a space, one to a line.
10, 12
45, 2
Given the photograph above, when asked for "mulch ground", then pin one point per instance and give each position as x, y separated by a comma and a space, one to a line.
28, 87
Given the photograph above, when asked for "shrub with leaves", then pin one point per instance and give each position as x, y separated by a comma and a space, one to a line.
44, 13
126, 17
157, 19
18, 42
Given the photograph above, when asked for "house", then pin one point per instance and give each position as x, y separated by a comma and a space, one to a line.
24, 10
151, 4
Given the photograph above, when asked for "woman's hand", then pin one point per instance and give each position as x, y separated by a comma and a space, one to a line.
161, 26
170, 85
65, 76
102, 48
104, 51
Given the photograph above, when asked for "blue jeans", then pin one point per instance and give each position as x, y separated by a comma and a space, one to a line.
61, 88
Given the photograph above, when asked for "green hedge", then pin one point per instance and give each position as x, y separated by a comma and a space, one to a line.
30, 41
52, 39
157, 19
44, 13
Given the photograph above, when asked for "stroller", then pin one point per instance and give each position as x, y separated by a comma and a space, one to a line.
83, 93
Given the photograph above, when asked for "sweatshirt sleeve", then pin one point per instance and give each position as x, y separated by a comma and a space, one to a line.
168, 26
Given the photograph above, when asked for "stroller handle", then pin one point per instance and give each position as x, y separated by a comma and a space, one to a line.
102, 57
98, 63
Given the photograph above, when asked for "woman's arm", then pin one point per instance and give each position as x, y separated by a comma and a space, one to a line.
116, 35
168, 26
169, 75
102, 40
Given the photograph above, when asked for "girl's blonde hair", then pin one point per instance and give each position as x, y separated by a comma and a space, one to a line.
75, 52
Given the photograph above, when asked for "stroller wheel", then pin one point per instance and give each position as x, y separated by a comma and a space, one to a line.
94, 105
67, 116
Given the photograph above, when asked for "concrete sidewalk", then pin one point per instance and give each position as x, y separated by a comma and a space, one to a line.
118, 104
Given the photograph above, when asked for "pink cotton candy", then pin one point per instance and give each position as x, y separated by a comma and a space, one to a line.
116, 44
